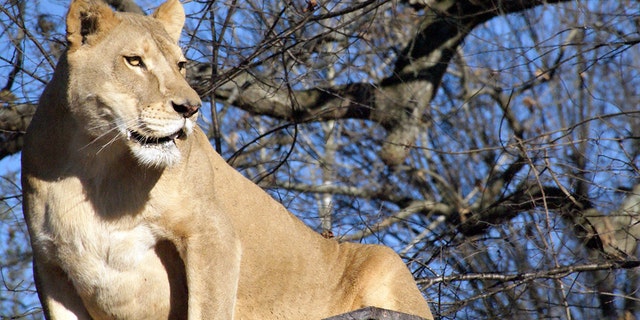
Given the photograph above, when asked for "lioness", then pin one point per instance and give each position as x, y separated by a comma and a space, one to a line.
132, 215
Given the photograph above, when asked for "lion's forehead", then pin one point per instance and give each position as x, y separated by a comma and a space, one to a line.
167, 51
148, 36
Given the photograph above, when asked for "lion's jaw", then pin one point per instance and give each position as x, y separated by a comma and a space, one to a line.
139, 97
158, 149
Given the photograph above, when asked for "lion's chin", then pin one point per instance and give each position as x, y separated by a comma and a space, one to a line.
156, 146
159, 152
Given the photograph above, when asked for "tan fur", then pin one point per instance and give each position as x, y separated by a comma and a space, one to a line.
155, 225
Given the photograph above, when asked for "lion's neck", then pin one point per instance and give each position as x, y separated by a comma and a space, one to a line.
112, 180
61, 146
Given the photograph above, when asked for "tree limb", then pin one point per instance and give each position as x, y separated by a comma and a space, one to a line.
432, 208
555, 273
14, 120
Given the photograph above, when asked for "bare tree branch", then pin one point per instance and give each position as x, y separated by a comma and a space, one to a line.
398, 101
13, 124
554, 273
411, 209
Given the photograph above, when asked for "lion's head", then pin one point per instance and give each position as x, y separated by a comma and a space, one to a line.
127, 79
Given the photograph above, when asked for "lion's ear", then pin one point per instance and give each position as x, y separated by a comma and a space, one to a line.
88, 21
171, 15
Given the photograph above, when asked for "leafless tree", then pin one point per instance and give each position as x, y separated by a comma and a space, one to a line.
492, 143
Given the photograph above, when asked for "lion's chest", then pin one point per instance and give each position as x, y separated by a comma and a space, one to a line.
113, 264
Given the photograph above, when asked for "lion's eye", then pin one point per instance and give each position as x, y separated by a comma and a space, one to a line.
134, 61
182, 65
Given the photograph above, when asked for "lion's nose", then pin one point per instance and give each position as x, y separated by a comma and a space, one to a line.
185, 109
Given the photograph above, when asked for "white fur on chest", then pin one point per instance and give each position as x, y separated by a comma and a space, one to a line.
107, 260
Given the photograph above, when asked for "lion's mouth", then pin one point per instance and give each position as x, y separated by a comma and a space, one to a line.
151, 141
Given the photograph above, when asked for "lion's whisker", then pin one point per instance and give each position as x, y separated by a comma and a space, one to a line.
96, 139
113, 128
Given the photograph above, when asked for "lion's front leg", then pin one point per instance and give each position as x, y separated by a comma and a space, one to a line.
213, 270
58, 297
211, 254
